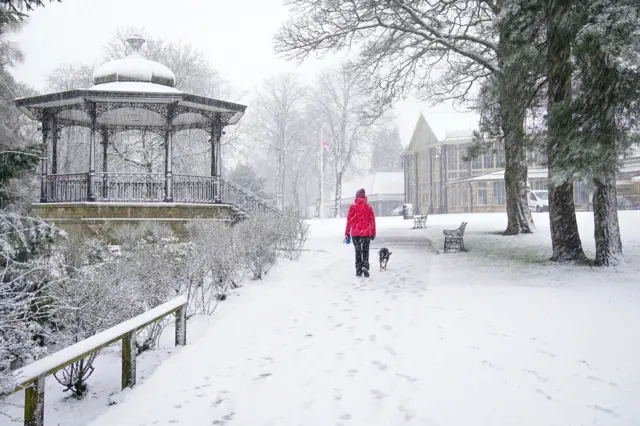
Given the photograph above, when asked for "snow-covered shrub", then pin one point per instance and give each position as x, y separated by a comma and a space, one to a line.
260, 236
25, 278
156, 265
218, 260
92, 295
293, 236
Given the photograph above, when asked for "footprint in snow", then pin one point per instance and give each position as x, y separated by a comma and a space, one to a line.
377, 394
262, 376
390, 350
380, 365
407, 377
352, 372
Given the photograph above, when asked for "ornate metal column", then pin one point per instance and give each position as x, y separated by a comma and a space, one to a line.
44, 166
216, 166
54, 145
105, 166
91, 109
168, 155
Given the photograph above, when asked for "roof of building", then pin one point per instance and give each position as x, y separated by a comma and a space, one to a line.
422, 136
132, 93
381, 183
533, 173
134, 68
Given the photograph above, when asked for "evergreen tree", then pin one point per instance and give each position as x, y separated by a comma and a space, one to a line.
245, 175
565, 237
19, 154
387, 148
605, 108
14, 11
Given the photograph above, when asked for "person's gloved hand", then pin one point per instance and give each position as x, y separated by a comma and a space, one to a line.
347, 239
373, 238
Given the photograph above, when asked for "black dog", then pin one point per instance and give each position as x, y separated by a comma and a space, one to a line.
384, 254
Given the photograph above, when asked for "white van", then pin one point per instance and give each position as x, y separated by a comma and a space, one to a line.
539, 200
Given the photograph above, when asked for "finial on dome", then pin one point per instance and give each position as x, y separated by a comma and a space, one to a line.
136, 42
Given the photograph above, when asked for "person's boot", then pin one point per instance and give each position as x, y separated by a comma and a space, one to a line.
365, 269
358, 273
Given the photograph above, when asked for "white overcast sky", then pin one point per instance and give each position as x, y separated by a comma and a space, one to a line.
235, 35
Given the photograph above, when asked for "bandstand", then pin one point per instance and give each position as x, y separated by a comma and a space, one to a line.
134, 93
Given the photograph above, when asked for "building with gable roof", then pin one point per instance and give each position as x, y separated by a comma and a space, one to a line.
439, 179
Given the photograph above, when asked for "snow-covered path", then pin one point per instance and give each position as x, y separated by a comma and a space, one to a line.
314, 345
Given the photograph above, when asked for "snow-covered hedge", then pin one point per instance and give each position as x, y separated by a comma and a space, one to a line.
25, 281
86, 285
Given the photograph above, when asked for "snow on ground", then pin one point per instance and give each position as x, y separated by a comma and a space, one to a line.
104, 383
494, 336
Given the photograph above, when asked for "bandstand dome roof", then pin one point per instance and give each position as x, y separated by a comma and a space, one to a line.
134, 68
132, 93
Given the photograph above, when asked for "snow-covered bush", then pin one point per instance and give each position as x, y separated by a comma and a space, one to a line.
218, 260
92, 295
293, 236
260, 237
25, 279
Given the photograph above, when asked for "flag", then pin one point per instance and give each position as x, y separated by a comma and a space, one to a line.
325, 145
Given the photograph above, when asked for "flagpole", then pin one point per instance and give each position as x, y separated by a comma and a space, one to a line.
321, 179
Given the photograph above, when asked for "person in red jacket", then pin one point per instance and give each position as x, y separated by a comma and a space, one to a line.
361, 228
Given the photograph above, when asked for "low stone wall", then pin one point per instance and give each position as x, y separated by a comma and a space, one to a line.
102, 218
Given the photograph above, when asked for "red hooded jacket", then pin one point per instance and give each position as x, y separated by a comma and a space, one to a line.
360, 221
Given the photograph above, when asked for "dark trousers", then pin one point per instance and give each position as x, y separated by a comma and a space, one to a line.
361, 245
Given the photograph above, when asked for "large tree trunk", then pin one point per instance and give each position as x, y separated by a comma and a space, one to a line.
519, 220
513, 107
565, 237
607, 227
605, 202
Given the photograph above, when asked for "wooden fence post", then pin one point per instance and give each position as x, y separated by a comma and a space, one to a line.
34, 403
129, 360
181, 326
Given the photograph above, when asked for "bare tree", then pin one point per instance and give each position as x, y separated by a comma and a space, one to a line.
279, 117
340, 103
435, 51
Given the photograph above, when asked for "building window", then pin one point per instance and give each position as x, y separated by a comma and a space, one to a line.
501, 157
482, 193
539, 184
488, 160
452, 157
476, 164
460, 196
498, 193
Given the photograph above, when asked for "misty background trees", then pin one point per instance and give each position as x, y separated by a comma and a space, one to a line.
505, 59
557, 78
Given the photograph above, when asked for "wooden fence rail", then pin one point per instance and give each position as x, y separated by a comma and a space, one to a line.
32, 377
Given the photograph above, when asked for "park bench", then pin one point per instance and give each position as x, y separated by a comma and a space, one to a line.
454, 238
419, 221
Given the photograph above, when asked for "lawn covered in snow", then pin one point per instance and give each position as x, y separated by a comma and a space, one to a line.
494, 336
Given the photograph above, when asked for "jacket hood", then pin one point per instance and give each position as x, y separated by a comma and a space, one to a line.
361, 200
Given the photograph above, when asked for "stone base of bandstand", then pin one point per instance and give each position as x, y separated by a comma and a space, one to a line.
102, 218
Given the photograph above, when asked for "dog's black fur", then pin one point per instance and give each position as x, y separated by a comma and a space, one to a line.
384, 254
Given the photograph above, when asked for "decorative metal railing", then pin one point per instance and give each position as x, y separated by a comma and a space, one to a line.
194, 189
132, 187
247, 201
151, 187
70, 187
